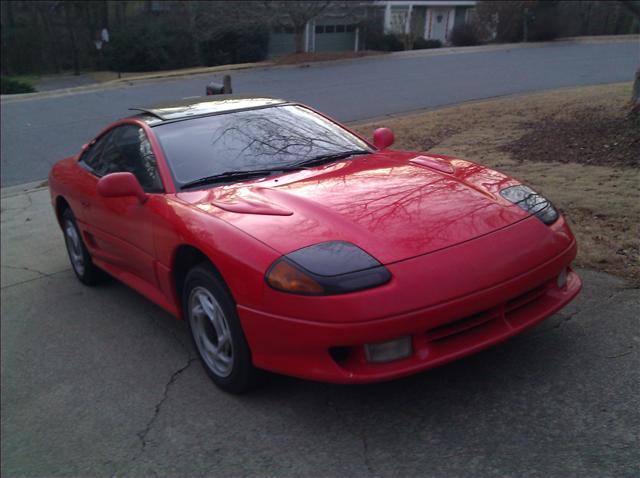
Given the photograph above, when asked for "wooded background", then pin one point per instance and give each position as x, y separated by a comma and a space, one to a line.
55, 36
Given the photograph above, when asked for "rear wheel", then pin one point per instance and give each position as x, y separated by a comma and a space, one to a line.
79, 256
216, 331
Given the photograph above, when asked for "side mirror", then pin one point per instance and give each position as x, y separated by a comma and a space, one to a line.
383, 138
117, 185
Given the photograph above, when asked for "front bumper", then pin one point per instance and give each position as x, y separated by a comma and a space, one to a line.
304, 349
451, 303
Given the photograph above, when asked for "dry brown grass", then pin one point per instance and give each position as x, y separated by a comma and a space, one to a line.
298, 58
601, 201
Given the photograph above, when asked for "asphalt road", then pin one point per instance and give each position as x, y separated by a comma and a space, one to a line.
101, 382
37, 132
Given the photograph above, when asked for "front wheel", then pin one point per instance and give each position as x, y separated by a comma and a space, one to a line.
79, 256
216, 331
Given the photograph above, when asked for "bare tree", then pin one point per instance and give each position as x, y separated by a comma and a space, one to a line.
407, 27
207, 19
502, 21
295, 14
56, 35
69, 21
631, 6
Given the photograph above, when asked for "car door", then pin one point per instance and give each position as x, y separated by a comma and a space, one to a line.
120, 230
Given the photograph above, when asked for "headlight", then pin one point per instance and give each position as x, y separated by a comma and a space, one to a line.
532, 202
333, 267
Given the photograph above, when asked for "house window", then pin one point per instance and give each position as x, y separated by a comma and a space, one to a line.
351, 28
319, 28
329, 28
339, 28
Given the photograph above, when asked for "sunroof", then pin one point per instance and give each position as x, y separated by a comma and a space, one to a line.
206, 105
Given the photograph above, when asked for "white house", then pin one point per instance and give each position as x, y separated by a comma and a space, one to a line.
431, 19
339, 29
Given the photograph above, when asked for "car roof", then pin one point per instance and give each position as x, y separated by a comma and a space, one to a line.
202, 106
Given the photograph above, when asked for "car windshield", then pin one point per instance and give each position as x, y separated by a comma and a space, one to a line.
250, 140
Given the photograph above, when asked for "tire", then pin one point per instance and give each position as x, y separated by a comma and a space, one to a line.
79, 256
216, 331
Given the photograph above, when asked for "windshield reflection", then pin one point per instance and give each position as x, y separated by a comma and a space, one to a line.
254, 139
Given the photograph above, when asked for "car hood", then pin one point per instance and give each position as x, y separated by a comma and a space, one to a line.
394, 205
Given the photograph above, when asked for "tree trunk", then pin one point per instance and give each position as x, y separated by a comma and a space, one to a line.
298, 35
120, 14
104, 15
72, 38
92, 30
51, 38
192, 15
587, 30
635, 95
8, 26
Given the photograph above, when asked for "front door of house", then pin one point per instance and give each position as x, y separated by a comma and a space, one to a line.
438, 23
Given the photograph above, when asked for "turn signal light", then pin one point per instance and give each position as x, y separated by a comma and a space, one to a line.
283, 276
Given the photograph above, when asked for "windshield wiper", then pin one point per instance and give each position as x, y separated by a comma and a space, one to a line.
228, 176
327, 158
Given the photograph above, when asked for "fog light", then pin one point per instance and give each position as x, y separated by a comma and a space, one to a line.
388, 351
562, 279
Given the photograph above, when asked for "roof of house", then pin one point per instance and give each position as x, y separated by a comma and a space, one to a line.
427, 3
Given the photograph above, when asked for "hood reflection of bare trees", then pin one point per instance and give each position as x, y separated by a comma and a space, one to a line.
382, 203
378, 199
410, 205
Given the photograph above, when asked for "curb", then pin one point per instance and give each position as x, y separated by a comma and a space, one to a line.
129, 81
33, 186
110, 84
419, 111
24, 188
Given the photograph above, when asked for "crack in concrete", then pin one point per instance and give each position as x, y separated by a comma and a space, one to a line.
43, 276
624, 354
565, 319
26, 269
616, 293
361, 436
16, 210
142, 434
538, 333
578, 311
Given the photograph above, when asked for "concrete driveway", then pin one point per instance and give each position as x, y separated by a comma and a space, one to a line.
38, 132
100, 382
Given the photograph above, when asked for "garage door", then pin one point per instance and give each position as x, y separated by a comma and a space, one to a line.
332, 37
281, 42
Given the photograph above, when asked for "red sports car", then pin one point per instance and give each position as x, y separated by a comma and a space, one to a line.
291, 244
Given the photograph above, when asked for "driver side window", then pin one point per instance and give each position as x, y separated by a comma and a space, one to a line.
125, 149
91, 158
